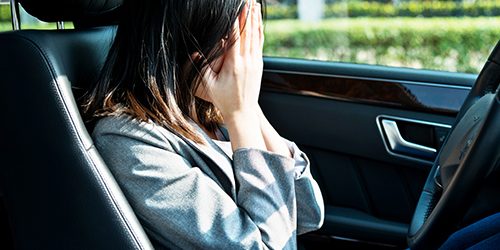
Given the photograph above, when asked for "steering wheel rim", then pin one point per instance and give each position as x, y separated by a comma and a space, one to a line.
463, 162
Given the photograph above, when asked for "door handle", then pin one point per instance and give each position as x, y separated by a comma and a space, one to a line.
399, 145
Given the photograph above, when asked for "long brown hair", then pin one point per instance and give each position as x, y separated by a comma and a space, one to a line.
149, 73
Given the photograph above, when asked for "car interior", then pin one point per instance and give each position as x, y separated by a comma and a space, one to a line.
403, 157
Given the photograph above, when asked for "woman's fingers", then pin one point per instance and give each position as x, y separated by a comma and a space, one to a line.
257, 43
246, 29
261, 29
243, 15
248, 34
252, 33
258, 29
254, 20
249, 29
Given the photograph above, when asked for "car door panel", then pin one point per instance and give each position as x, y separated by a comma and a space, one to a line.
333, 110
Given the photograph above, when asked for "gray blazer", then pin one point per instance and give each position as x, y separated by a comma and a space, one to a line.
193, 196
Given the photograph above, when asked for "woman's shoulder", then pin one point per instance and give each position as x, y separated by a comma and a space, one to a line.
124, 127
121, 125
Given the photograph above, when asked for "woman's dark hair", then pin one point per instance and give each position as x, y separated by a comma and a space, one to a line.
150, 73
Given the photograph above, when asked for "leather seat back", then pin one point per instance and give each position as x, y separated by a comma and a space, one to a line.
58, 192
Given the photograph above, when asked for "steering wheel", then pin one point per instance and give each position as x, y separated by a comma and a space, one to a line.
470, 153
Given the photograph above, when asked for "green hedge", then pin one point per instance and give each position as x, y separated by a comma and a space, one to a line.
281, 12
406, 9
7, 26
450, 44
4, 13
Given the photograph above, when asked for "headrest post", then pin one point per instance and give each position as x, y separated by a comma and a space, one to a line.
60, 25
95, 12
14, 11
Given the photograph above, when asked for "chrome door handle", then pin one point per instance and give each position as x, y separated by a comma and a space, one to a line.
399, 145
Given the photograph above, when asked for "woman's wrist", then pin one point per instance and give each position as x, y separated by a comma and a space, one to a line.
238, 110
242, 115
244, 130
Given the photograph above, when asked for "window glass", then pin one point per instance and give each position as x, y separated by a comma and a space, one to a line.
27, 21
5, 21
446, 35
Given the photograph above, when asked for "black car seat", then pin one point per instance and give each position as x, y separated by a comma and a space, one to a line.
57, 192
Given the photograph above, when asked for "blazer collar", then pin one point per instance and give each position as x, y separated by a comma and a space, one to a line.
220, 164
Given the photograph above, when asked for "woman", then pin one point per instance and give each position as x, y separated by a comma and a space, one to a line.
181, 129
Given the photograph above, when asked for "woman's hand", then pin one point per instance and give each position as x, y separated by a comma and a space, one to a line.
235, 89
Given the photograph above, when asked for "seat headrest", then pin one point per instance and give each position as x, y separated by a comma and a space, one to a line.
73, 10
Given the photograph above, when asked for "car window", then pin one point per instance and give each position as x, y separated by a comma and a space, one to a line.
27, 21
454, 36
5, 20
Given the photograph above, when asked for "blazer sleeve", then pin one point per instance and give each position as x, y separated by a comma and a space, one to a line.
181, 207
310, 205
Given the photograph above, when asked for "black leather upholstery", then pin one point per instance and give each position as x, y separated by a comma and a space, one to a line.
58, 192
72, 10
